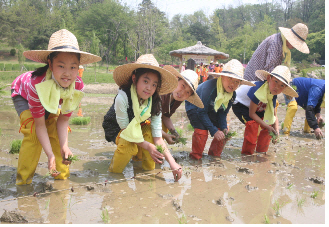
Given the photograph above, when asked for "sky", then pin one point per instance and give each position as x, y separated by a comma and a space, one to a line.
173, 7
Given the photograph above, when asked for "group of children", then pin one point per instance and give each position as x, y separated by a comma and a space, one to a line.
139, 119
203, 70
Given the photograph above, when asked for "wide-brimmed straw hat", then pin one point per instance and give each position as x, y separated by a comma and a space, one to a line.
191, 78
233, 69
61, 41
122, 73
282, 73
296, 36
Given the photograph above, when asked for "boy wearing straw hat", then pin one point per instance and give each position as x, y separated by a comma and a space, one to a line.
127, 121
275, 48
186, 90
217, 96
311, 98
255, 107
37, 96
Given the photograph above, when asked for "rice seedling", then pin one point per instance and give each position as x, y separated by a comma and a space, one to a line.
180, 139
73, 158
49, 173
15, 146
190, 127
267, 220
277, 207
151, 185
160, 148
300, 202
321, 124
47, 204
274, 136
294, 87
182, 220
314, 194
290, 186
105, 216
282, 125
80, 120
230, 135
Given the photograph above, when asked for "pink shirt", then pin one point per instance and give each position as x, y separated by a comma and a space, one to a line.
24, 86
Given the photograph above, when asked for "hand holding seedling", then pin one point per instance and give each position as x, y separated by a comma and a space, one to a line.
171, 139
52, 167
66, 152
155, 154
318, 133
274, 137
73, 158
178, 136
229, 135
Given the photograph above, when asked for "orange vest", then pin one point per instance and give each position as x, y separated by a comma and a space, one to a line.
217, 69
80, 72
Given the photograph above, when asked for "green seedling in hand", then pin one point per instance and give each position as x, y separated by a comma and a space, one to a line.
72, 158
230, 134
180, 139
159, 148
50, 173
274, 136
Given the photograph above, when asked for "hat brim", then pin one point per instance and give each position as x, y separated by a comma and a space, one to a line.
122, 74
41, 55
194, 98
294, 40
243, 81
262, 74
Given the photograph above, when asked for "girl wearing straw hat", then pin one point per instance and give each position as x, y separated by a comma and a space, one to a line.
255, 107
127, 121
37, 96
186, 90
217, 96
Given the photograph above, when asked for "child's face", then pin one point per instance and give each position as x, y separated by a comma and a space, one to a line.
230, 84
183, 91
275, 85
65, 68
146, 85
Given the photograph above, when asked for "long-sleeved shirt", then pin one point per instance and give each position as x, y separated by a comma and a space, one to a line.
24, 85
311, 92
267, 56
207, 92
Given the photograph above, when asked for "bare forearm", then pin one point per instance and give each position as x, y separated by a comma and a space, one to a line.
42, 134
62, 125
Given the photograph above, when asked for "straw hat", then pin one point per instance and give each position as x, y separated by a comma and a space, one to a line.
61, 41
122, 73
296, 36
233, 69
191, 78
282, 73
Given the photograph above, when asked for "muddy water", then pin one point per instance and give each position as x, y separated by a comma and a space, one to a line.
275, 187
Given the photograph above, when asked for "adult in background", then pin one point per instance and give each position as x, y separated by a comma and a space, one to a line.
274, 48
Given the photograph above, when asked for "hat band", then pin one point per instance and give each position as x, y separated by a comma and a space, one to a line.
280, 77
297, 35
64, 47
231, 73
189, 82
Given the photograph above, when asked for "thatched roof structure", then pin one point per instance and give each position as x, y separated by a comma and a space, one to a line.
199, 49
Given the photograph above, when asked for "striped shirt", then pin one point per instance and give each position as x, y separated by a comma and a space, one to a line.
24, 86
267, 56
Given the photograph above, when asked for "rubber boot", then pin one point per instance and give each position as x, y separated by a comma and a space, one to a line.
250, 138
30, 151
307, 128
216, 147
199, 139
263, 141
51, 124
290, 114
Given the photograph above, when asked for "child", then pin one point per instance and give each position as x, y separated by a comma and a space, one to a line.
198, 71
204, 73
37, 95
217, 96
311, 98
256, 106
217, 67
126, 123
186, 90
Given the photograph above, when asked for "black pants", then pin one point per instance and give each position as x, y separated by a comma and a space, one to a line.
242, 112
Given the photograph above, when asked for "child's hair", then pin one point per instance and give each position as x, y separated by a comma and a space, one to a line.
41, 70
156, 100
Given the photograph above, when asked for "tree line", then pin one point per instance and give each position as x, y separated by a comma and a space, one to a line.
112, 30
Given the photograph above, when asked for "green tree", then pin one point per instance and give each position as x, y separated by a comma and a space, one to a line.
94, 49
21, 58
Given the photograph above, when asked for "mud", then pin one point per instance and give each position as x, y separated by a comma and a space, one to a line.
231, 189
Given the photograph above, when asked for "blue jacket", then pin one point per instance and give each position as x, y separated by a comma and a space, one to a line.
310, 92
207, 92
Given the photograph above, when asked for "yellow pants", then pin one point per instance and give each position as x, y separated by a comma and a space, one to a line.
290, 114
126, 150
30, 151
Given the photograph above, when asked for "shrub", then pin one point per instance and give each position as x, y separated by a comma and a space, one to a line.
13, 52
80, 120
2, 66
8, 67
15, 146
16, 67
